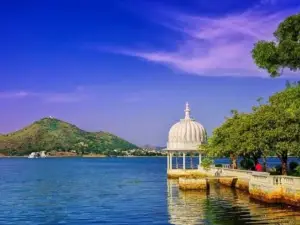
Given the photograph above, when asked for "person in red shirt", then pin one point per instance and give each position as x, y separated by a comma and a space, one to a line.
258, 167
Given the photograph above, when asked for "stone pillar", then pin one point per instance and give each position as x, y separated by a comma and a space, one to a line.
200, 159
168, 161
183, 160
171, 192
171, 166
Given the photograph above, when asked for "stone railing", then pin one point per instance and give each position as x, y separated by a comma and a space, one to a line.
237, 173
227, 166
261, 185
260, 177
218, 171
275, 180
286, 181
282, 189
290, 181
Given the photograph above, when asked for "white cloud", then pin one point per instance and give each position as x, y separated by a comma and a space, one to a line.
17, 94
54, 97
219, 46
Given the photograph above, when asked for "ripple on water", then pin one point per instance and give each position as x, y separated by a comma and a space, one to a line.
118, 191
223, 205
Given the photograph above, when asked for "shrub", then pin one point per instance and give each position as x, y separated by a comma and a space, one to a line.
218, 165
278, 169
247, 163
272, 171
297, 171
206, 163
293, 165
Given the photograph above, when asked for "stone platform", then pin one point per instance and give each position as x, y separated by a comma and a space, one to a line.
193, 183
260, 185
177, 173
275, 189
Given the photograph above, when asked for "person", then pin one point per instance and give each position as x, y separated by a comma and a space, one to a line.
258, 167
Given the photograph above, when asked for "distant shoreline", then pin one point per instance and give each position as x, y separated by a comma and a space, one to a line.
83, 156
5, 156
105, 156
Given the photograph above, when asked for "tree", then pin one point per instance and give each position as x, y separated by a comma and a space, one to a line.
226, 139
272, 128
278, 124
275, 126
206, 163
274, 56
81, 148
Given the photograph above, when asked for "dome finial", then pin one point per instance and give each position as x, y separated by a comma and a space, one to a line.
187, 111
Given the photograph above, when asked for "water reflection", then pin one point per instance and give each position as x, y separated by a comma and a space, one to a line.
222, 205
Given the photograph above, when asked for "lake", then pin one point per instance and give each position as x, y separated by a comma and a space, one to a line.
120, 191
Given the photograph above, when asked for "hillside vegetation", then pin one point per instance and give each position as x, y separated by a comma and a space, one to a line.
51, 134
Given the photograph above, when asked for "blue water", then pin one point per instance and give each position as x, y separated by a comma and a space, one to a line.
271, 162
118, 191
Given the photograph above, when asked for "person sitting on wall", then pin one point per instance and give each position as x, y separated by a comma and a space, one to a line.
258, 167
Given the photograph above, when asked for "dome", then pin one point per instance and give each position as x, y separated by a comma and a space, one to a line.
187, 134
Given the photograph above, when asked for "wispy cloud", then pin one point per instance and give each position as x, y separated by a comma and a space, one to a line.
17, 94
55, 97
121, 92
218, 46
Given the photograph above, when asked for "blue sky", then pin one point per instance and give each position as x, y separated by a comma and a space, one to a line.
129, 66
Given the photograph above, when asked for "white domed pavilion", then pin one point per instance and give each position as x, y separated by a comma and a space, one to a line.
185, 137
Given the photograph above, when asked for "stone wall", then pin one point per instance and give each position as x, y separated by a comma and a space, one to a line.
193, 183
291, 190
177, 173
239, 183
215, 171
260, 185
230, 177
275, 189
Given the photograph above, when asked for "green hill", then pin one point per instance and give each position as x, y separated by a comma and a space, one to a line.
51, 134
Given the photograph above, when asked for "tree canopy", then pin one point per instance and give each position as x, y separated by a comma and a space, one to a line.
274, 56
272, 128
